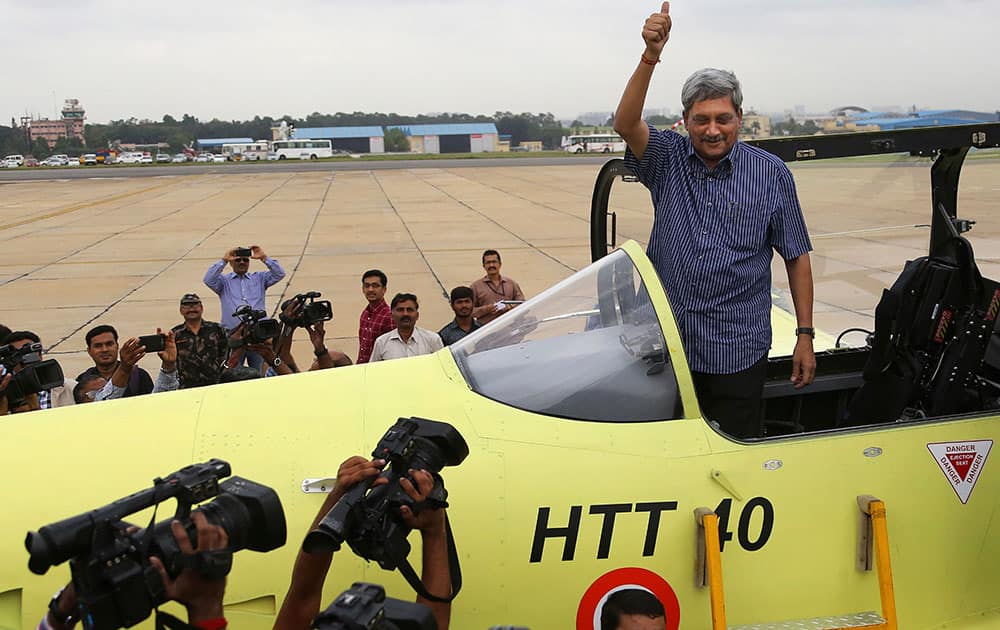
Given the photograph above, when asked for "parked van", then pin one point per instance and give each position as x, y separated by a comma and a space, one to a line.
15, 158
129, 158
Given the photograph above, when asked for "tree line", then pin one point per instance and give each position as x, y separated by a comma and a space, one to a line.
181, 132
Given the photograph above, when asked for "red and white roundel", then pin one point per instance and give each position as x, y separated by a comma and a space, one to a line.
588, 615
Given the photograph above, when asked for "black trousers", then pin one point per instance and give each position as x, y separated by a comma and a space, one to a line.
733, 400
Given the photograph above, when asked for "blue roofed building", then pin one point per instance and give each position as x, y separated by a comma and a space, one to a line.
216, 143
451, 138
352, 139
886, 121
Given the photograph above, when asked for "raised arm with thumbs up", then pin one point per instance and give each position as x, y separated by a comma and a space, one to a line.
628, 117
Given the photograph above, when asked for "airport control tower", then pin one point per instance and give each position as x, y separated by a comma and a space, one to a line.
69, 126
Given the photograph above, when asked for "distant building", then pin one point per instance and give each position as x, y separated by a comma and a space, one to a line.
885, 121
595, 118
756, 125
216, 143
69, 126
352, 139
453, 138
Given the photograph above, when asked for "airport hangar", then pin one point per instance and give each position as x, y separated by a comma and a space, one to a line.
442, 138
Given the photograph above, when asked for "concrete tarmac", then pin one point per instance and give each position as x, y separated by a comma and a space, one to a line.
121, 251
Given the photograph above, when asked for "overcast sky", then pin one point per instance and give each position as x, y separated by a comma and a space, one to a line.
232, 60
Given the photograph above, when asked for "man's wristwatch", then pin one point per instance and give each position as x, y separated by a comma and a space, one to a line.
320, 352
57, 615
276, 362
805, 330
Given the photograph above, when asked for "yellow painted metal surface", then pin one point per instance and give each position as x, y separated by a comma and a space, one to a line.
789, 542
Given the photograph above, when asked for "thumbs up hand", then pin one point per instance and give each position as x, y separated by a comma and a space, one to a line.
656, 31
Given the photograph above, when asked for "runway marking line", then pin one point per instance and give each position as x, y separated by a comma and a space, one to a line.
81, 206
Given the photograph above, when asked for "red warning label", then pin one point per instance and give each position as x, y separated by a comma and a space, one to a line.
961, 463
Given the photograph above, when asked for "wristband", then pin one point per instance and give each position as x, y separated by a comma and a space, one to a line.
211, 624
58, 617
648, 62
320, 352
805, 330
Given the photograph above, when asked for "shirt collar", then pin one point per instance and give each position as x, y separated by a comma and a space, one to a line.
376, 307
722, 170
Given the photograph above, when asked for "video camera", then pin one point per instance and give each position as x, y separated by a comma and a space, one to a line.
257, 326
310, 311
365, 607
115, 583
34, 375
368, 518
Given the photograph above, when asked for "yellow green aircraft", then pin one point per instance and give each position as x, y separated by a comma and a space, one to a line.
590, 467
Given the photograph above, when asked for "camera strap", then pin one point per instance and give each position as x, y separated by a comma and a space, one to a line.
166, 621
211, 565
454, 570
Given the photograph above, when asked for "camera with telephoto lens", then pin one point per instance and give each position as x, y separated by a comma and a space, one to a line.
116, 585
310, 311
367, 517
29, 373
365, 607
257, 326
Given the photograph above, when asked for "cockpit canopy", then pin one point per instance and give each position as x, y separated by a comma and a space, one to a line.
589, 348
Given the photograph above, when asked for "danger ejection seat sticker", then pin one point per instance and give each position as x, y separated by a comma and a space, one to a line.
961, 463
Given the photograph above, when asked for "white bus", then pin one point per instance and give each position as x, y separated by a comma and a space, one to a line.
594, 143
300, 149
246, 151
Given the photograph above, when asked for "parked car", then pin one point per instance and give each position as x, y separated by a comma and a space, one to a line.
218, 158
10, 162
88, 159
162, 157
146, 159
204, 157
52, 160
129, 158
30, 161
180, 158
15, 158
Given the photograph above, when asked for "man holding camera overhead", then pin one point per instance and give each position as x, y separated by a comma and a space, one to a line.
240, 287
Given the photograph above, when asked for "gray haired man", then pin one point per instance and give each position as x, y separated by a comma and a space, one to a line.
721, 208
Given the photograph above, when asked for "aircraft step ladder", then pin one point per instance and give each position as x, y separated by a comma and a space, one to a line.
872, 529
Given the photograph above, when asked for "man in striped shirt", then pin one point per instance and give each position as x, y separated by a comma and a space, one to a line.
720, 208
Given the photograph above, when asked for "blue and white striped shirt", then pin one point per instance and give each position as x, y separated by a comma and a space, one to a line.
713, 233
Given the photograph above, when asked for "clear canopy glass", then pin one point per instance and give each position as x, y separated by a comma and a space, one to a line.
589, 348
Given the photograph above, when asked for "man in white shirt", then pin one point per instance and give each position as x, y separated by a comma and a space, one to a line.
408, 340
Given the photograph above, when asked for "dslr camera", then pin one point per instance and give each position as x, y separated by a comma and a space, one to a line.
116, 584
257, 326
365, 607
310, 311
368, 518
32, 374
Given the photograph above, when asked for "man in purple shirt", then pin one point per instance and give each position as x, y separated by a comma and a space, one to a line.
721, 208
239, 287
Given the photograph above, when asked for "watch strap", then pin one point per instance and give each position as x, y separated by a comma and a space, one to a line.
806, 330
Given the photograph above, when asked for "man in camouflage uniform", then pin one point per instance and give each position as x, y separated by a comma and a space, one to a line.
201, 346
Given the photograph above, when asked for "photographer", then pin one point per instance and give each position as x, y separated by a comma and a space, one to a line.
242, 288
238, 346
61, 396
130, 354
200, 596
304, 598
30, 402
292, 314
